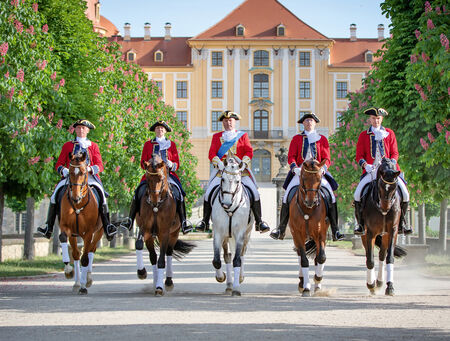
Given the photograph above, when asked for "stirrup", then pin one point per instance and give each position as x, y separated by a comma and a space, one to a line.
262, 227
126, 224
186, 227
359, 230
45, 231
110, 231
201, 226
337, 236
277, 234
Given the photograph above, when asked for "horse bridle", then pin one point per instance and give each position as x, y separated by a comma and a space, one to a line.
222, 192
83, 184
391, 201
162, 177
306, 190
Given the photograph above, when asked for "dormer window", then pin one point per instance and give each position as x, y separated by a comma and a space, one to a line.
239, 30
159, 56
281, 30
368, 57
131, 56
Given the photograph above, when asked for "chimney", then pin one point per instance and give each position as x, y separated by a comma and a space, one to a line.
147, 31
167, 27
380, 32
126, 31
353, 32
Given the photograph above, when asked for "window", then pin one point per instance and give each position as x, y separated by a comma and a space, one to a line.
305, 89
341, 89
131, 56
261, 85
215, 123
158, 56
369, 57
216, 58
182, 116
302, 113
181, 89
261, 124
239, 30
261, 58
216, 89
305, 58
280, 31
159, 84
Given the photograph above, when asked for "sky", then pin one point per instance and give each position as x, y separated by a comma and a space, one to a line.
191, 17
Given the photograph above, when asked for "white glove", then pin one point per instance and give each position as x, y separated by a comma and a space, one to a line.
220, 165
65, 172
297, 170
169, 164
369, 168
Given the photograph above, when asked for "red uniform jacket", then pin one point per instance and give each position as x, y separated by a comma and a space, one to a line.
94, 157
241, 148
298, 149
366, 147
171, 154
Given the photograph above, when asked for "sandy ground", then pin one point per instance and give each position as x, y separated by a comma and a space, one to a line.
120, 306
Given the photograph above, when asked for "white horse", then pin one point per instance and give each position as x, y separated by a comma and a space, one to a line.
231, 225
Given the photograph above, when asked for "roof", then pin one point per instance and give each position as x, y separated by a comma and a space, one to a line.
176, 52
108, 26
260, 19
346, 53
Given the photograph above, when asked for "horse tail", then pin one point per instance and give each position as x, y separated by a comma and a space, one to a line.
310, 249
399, 252
182, 248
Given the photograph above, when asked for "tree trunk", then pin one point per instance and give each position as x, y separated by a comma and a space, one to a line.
443, 226
2, 207
28, 252
421, 224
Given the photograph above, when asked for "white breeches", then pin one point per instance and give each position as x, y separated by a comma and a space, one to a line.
246, 180
91, 182
369, 177
296, 181
171, 181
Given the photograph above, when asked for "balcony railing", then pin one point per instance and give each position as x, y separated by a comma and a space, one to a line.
265, 134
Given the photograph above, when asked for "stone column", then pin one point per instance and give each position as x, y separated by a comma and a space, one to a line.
278, 180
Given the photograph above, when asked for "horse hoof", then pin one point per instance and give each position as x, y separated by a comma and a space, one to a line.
221, 279
317, 279
379, 283
235, 293
142, 274
228, 291
306, 293
389, 289
76, 287
159, 292
89, 280
241, 279
82, 291
168, 284
69, 275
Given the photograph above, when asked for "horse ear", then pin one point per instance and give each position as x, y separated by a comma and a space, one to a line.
70, 155
322, 163
396, 173
146, 164
225, 162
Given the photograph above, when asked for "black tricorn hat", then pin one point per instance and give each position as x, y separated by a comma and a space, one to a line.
376, 111
229, 114
162, 124
309, 115
85, 123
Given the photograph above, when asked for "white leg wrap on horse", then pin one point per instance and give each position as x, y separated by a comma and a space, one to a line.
155, 274
65, 252
381, 271
306, 284
77, 274
219, 273
229, 267
83, 280
237, 273
169, 271
390, 272
160, 280
91, 260
319, 270
300, 274
139, 260
242, 266
370, 276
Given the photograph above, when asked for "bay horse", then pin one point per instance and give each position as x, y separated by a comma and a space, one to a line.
308, 220
159, 224
79, 217
381, 214
232, 225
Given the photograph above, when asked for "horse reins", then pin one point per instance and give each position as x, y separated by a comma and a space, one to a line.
221, 192
155, 207
71, 200
306, 190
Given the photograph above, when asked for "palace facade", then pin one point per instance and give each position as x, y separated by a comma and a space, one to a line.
260, 61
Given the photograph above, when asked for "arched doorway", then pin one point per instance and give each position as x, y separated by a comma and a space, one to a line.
262, 165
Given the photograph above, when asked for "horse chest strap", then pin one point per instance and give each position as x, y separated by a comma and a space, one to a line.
306, 217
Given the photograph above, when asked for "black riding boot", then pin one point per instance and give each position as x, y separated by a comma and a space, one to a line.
110, 229
128, 223
280, 231
203, 225
360, 228
403, 228
186, 226
333, 216
260, 225
47, 230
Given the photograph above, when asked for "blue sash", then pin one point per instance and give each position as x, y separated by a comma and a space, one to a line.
225, 147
